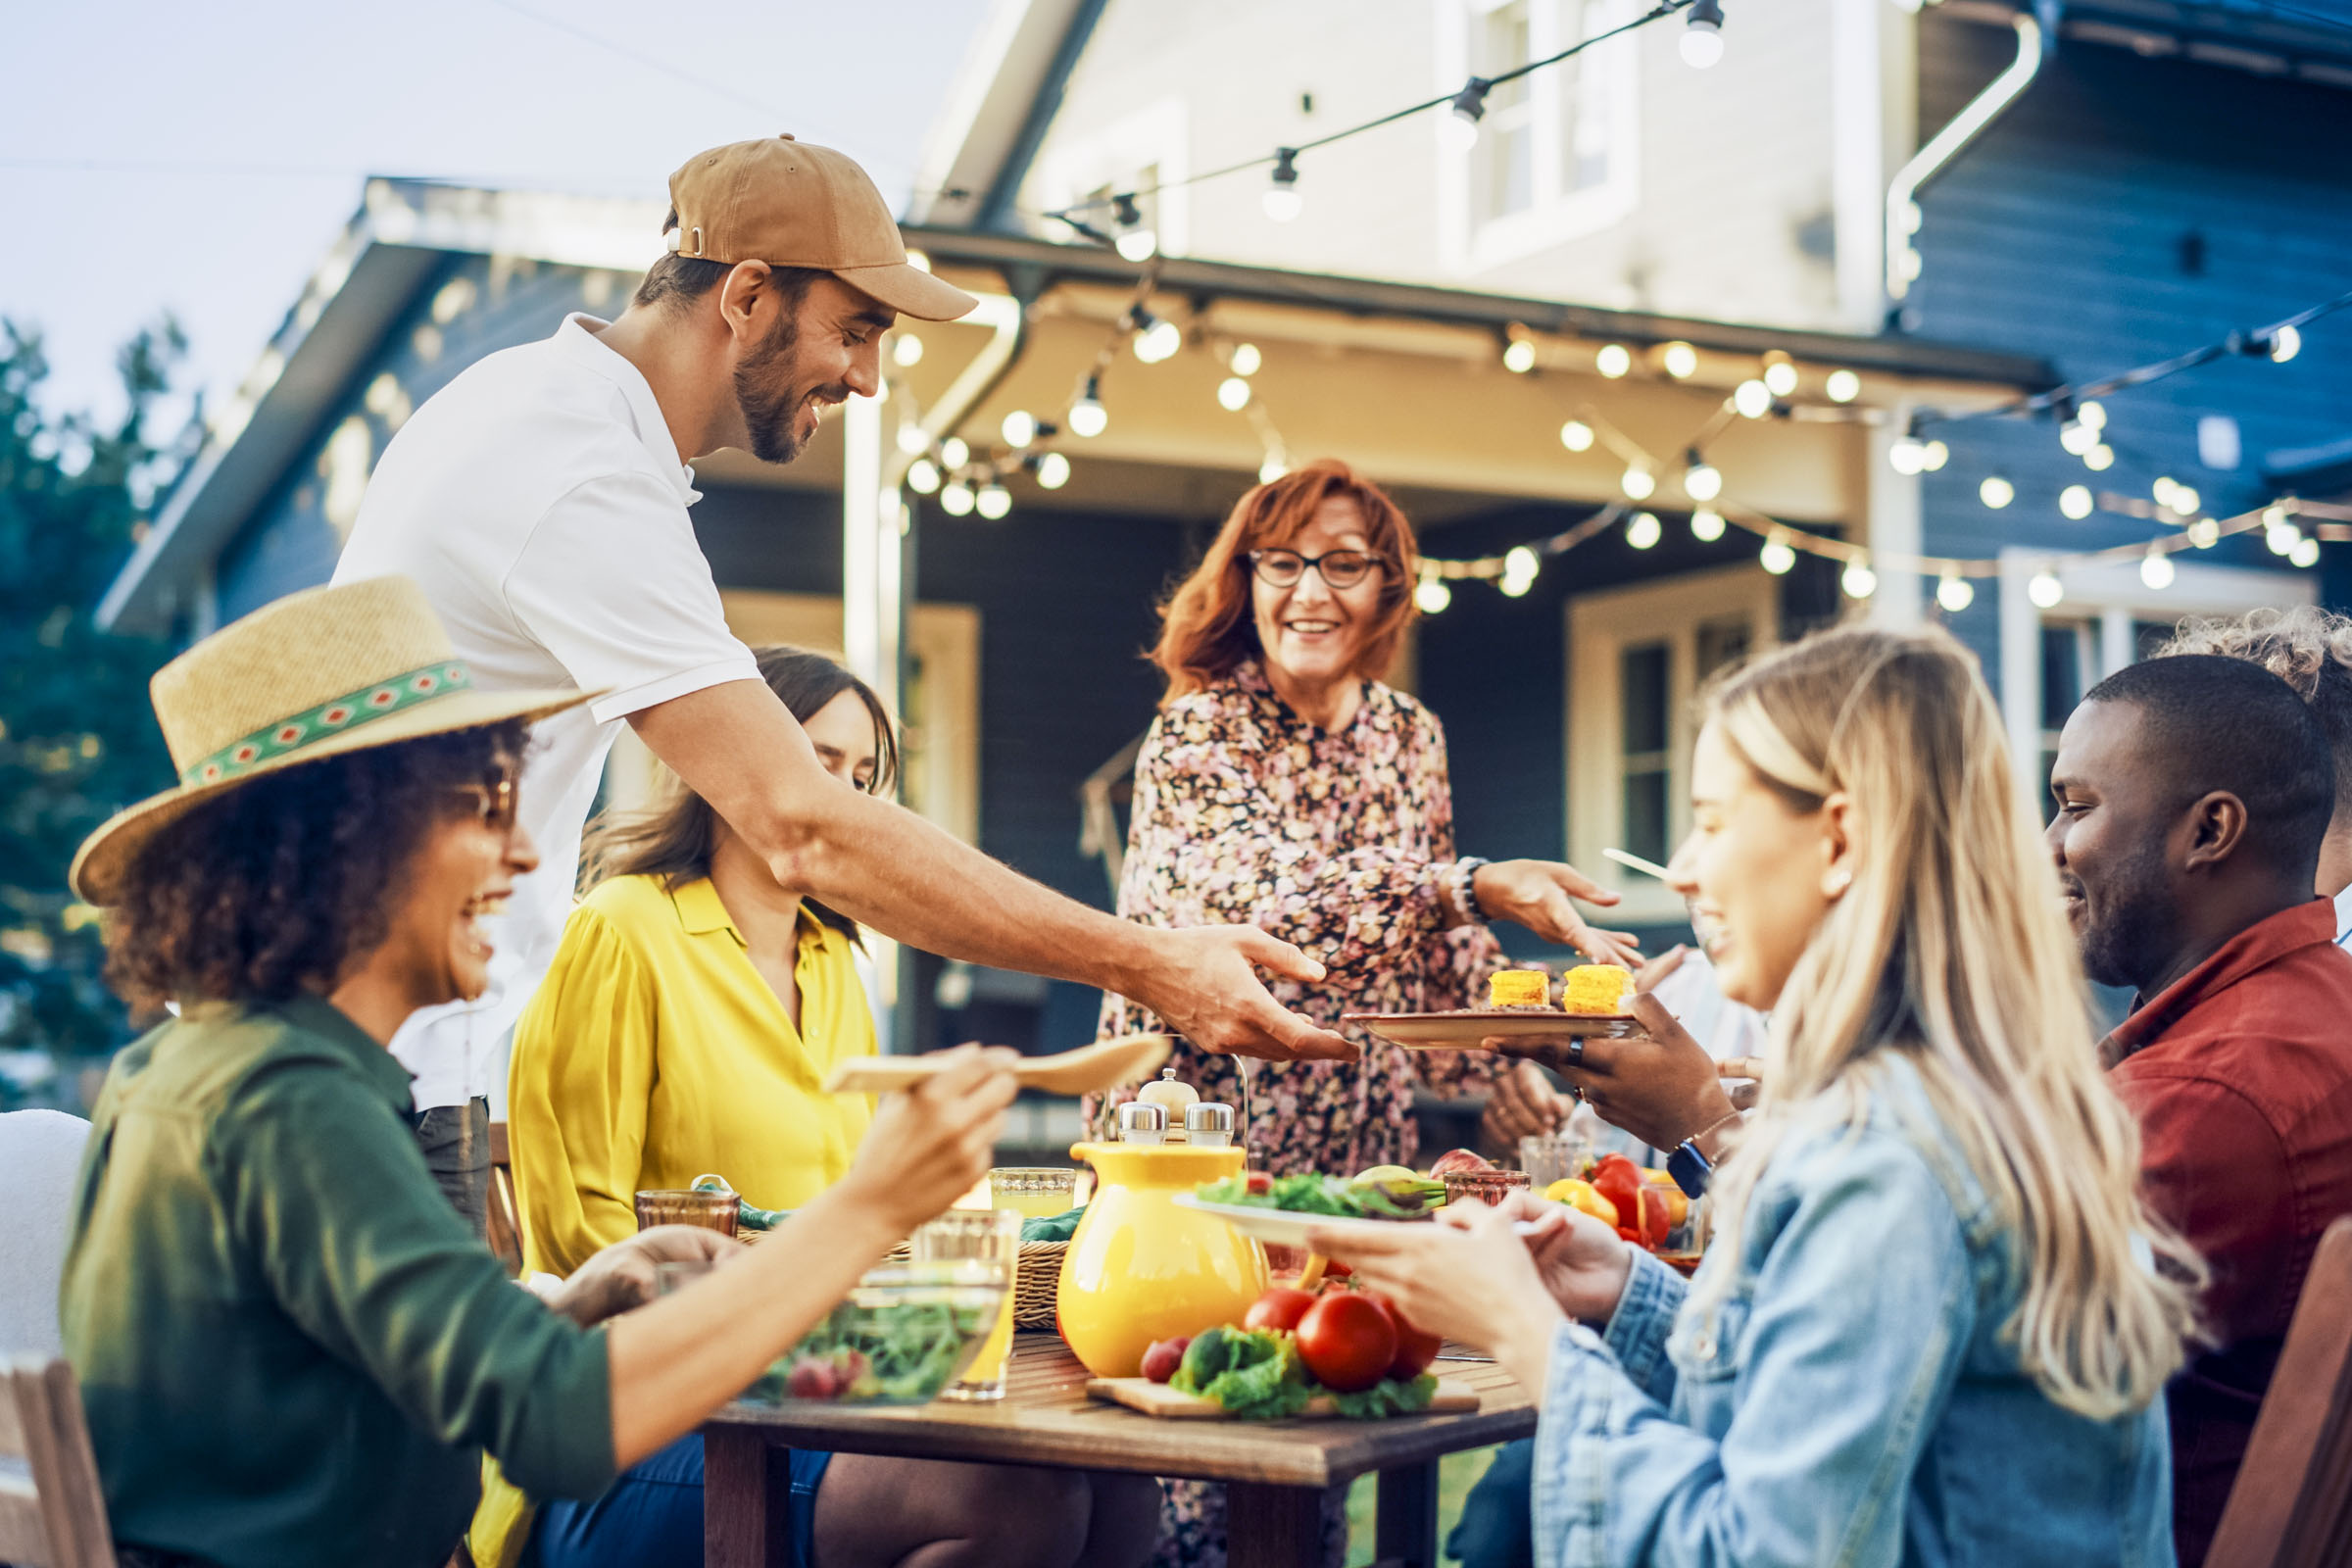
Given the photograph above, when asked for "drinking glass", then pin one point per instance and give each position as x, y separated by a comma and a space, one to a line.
712, 1211
1036, 1192
990, 1238
1553, 1156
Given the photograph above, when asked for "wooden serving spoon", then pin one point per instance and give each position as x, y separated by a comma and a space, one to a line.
1105, 1064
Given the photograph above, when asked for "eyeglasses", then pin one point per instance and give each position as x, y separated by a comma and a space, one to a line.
1341, 569
493, 797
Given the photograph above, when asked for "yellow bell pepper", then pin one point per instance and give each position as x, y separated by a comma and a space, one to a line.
1581, 1195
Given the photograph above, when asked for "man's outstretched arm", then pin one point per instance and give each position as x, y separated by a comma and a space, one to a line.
739, 748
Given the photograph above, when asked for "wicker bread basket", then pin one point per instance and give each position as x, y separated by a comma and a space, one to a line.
1034, 1285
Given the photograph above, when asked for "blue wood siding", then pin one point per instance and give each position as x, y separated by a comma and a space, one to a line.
2062, 233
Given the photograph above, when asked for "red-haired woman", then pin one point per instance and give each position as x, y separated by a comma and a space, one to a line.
1285, 786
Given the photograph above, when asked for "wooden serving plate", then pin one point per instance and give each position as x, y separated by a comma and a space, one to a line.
1157, 1399
1469, 1028
1105, 1064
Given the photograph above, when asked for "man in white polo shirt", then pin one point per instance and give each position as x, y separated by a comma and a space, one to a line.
540, 499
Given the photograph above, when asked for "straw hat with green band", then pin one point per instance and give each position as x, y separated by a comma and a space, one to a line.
316, 674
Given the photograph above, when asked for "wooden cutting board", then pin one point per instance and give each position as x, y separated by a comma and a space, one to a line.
1157, 1399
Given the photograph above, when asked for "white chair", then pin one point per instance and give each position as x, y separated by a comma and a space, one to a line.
40, 1155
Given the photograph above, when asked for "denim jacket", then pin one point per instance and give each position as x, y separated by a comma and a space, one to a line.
1853, 1402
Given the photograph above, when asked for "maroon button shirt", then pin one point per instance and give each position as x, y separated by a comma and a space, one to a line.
2241, 1075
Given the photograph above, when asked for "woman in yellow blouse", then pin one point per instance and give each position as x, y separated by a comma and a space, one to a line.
686, 1026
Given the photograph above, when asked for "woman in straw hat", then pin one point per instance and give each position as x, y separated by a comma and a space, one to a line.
290, 1348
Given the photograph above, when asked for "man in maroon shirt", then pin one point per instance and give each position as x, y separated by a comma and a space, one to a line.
2193, 794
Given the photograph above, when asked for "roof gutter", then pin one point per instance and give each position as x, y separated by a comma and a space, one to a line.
2037, 42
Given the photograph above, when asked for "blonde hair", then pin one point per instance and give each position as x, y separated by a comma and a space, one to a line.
1950, 945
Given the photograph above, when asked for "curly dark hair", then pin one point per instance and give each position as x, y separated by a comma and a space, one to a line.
276, 887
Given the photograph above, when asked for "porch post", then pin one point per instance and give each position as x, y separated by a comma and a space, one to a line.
1890, 523
873, 610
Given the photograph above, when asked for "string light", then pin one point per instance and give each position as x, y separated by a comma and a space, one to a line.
1997, 492
2045, 590
1052, 471
2099, 458
1752, 399
1907, 454
1643, 531
1680, 359
907, 350
1780, 373
2279, 533
993, 501
2163, 489
1776, 557
2092, 416
2306, 552
1020, 428
1933, 456
2204, 533
2077, 437
1519, 567
1613, 359
1519, 353
2074, 501
1245, 360
1136, 241
953, 452
1273, 468
1638, 483
1088, 417
1458, 127
1156, 339
2186, 501
1702, 34
1706, 525
1432, 596
957, 499
1954, 593
912, 441
2284, 344
1701, 480
923, 476
1282, 200
1577, 436
1843, 386
1858, 580
2156, 569
1233, 394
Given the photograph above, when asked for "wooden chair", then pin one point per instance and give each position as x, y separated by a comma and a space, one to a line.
52, 1512
504, 1220
2292, 1505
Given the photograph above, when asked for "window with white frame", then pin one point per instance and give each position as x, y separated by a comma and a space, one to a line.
1554, 154
1637, 659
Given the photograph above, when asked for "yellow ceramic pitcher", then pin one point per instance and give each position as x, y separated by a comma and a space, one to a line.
1139, 1268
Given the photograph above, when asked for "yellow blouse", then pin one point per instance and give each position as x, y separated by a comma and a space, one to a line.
655, 1051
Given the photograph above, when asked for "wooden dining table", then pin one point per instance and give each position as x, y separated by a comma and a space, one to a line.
1276, 1473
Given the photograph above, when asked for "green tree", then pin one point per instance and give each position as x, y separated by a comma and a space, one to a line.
77, 739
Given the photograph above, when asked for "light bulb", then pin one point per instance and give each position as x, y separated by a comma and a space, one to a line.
2286, 344
1643, 531
1158, 341
1244, 358
1706, 525
1519, 355
2099, 458
1780, 379
923, 476
2163, 489
1020, 428
918, 260
1955, 593
1137, 245
1433, 596
1233, 394
1681, 360
2204, 533
907, 350
1702, 35
1457, 128
1907, 456
1843, 386
1282, 200
1776, 557
2275, 515
1933, 456
2092, 416
2156, 569
1703, 481
1997, 492
1521, 561
2045, 590
954, 452
2306, 552
1273, 468
1088, 417
993, 501
1577, 436
1052, 471
2075, 501
1613, 359
957, 499
913, 442
1858, 580
2282, 537
1514, 586
1638, 483
2077, 437
2186, 499
1752, 399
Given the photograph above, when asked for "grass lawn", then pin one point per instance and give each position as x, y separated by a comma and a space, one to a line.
1457, 1473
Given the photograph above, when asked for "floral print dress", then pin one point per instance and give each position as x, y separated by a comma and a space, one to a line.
1341, 842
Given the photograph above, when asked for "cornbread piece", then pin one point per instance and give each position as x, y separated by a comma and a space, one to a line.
1520, 988
1597, 989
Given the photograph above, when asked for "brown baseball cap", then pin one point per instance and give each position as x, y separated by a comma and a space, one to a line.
795, 204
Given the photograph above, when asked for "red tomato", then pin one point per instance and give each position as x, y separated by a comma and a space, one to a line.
1414, 1348
1278, 1309
1348, 1341
1619, 1180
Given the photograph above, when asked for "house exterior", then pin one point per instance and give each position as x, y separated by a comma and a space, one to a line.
1643, 240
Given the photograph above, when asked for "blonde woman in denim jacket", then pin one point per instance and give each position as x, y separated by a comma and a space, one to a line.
1935, 1321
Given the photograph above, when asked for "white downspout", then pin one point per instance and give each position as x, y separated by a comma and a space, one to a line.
2037, 38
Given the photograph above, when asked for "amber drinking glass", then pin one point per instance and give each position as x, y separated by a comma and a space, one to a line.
712, 1211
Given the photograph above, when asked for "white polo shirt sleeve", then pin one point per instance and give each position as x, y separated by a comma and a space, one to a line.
614, 585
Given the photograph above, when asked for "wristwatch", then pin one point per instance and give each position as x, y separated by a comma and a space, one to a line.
1689, 1168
